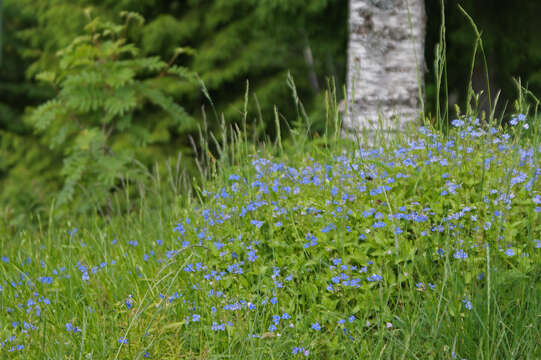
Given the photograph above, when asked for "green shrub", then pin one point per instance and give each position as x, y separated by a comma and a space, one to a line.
95, 121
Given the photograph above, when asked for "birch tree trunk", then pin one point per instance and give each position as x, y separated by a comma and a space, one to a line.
385, 65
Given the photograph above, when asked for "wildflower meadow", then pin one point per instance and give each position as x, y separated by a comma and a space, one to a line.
425, 247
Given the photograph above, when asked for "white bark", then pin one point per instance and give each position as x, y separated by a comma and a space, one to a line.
385, 65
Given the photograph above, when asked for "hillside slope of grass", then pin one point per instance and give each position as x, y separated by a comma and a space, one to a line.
427, 248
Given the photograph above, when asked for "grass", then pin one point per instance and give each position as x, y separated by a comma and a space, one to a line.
427, 247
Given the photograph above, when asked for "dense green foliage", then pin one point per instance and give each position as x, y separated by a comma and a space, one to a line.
428, 247
96, 121
233, 41
230, 46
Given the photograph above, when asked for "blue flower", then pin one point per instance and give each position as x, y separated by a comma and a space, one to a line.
510, 252
467, 304
374, 277
257, 223
460, 254
316, 326
457, 123
216, 327
123, 340
129, 302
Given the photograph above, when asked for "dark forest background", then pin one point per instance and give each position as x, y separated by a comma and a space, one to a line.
209, 50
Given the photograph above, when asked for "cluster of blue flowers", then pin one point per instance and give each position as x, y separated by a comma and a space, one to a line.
336, 219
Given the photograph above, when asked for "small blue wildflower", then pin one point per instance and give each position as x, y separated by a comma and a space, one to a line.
457, 123
252, 256
328, 228
460, 254
123, 340
467, 304
300, 350
215, 326
257, 223
374, 277
379, 224
316, 326
510, 252
480, 276
129, 302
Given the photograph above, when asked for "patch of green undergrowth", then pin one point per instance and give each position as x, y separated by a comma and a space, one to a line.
425, 247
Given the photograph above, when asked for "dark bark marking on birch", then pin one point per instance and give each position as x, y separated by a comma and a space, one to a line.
367, 26
384, 4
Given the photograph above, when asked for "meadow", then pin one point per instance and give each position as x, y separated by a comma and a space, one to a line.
424, 247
